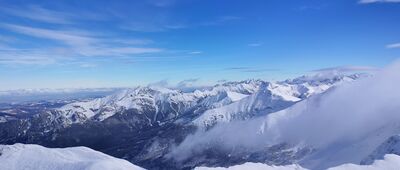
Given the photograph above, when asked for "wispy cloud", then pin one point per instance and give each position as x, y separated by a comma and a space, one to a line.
7, 39
88, 65
378, 1
344, 69
151, 26
188, 82
311, 7
45, 15
66, 37
195, 52
73, 43
221, 20
396, 45
162, 3
70, 38
131, 41
251, 69
26, 57
38, 13
79, 41
222, 81
259, 70
254, 44
164, 23
237, 68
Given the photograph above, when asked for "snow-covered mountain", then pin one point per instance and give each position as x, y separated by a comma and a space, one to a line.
144, 124
157, 103
224, 102
36, 157
354, 123
271, 97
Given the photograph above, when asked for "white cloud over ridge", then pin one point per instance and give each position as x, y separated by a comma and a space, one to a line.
343, 116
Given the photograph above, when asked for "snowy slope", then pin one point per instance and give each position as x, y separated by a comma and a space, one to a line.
390, 162
158, 100
163, 116
349, 122
346, 124
35, 157
272, 97
390, 146
223, 102
140, 99
255, 166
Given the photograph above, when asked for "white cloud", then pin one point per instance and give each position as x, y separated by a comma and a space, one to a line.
162, 3
396, 45
88, 65
115, 51
251, 69
347, 69
52, 16
378, 1
132, 41
25, 57
74, 43
38, 13
220, 21
254, 44
343, 116
187, 85
7, 39
155, 26
67, 37
195, 52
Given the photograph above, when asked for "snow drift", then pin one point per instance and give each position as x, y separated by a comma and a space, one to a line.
20, 156
390, 162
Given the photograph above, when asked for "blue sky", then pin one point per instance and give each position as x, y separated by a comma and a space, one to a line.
99, 43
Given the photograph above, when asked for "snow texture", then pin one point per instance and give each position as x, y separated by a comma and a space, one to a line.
391, 162
36, 157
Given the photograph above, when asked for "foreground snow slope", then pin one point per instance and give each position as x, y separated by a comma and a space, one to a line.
390, 162
35, 157
255, 166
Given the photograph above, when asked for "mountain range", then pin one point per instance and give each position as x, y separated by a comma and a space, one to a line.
150, 126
